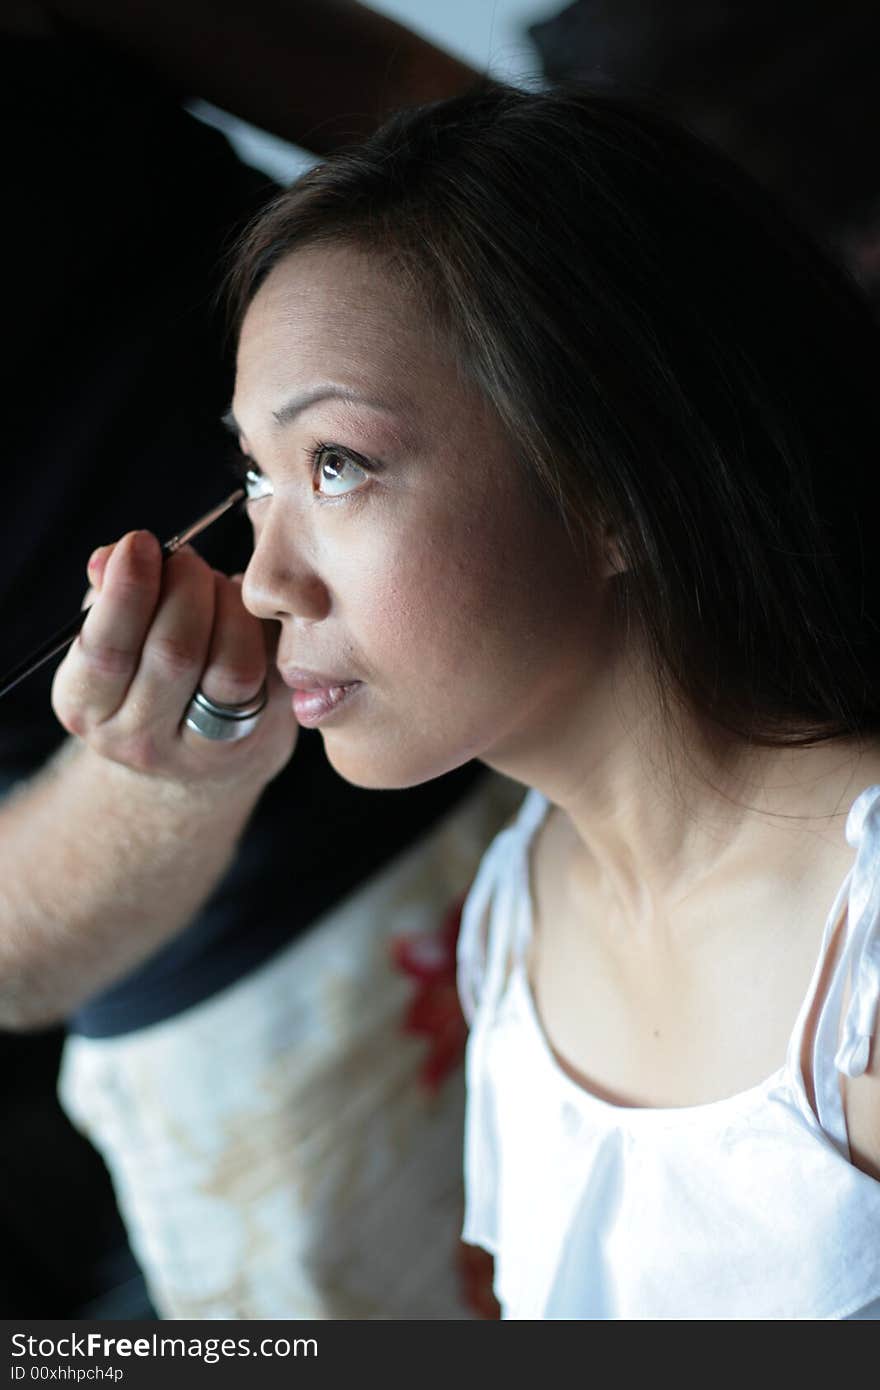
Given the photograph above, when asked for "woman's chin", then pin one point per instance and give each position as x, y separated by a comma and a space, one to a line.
384, 770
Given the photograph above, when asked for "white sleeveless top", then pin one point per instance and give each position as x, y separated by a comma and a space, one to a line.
747, 1207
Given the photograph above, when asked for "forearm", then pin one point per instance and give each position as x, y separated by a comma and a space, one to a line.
99, 866
317, 72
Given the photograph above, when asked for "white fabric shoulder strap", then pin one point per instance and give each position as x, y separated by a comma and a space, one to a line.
843, 1045
863, 934
489, 926
490, 914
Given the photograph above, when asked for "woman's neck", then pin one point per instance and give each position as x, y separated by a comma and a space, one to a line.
660, 809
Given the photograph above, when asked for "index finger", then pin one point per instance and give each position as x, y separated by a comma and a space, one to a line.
107, 651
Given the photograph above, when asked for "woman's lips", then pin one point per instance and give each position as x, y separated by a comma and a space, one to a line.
312, 706
315, 695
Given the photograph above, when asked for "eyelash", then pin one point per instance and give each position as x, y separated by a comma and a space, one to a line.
244, 466
316, 450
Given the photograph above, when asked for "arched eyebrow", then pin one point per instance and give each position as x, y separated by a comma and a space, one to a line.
297, 404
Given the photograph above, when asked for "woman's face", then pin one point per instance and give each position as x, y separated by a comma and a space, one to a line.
397, 544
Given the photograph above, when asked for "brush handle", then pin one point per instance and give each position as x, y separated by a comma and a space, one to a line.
56, 643
65, 635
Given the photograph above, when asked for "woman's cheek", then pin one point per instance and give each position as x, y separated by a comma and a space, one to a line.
438, 611
393, 604
423, 584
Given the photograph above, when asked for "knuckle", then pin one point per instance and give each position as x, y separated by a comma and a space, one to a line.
104, 658
175, 655
142, 752
240, 682
129, 593
69, 710
136, 749
71, 718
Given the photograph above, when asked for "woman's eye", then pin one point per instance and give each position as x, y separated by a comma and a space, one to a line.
335, 473
256, 484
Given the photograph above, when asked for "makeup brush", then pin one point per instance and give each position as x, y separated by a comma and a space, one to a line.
65, 635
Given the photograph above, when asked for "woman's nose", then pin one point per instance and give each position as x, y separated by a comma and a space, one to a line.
279, 581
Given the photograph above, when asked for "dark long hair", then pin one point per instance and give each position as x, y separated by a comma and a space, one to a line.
669, 356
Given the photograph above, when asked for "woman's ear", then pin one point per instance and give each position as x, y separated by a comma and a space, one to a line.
613, 561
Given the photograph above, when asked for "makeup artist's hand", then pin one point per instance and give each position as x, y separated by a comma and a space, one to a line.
154, 634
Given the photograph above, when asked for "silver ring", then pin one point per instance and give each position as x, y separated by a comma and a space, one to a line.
224, 722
